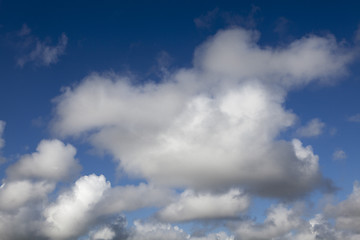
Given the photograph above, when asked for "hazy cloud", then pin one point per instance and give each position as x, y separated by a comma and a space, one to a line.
2, 140
354, 118
312, 129
339, 155
205, 21
33, 50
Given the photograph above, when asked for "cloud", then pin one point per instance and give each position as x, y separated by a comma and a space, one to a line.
347, 212
2, 141
33, 50
14, 195
53, 161
354, 118
70, 215
202, 206
339, 154
2, 127
235, 54
129, 198
279, 222
205, 21
312, 129
209, 127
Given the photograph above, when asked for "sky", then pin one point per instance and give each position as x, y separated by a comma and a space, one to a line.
179, 120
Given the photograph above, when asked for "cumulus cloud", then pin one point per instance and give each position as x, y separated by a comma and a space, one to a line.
212, 126
202, 206
14, 195
347, 212
70, 215
235, 53
128, 198
279, 222
312, 129
53, 161
41, 53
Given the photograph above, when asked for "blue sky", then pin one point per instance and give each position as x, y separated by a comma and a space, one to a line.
179, 120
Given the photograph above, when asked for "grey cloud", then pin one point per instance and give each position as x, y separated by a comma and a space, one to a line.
202, 206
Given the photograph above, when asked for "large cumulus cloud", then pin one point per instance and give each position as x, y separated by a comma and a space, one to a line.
213, 126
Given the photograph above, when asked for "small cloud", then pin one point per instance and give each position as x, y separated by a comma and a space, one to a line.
339, 155
2, 141
354, 118
205, 21
25, 30
332, 131
281, 26
44, 54
31, 49
312, 129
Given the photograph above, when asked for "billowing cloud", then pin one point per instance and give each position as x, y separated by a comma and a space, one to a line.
347, 212
312, 129
53, 161
235, 54
70, 215
129, 198
14, 195
212, 126
202, 206
279, 222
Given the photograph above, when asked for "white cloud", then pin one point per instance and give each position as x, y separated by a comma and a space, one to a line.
339, 155
104, 233
53, 160
209, 127
278, 223
39, 52
159, 231
312, 129
235, 53
72, 214
354, 118
202, 206
14, 195
156, 231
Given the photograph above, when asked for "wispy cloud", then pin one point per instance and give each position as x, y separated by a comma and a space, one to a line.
354, 118
312, 129
32, 50
339, 155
